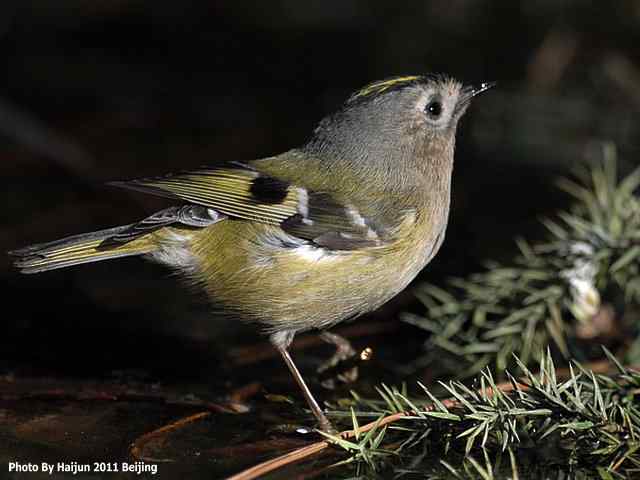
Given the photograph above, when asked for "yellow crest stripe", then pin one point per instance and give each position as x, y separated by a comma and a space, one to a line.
381, 86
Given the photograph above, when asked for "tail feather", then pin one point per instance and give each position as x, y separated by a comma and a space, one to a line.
78, 249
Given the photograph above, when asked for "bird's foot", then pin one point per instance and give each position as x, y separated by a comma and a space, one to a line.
327, 427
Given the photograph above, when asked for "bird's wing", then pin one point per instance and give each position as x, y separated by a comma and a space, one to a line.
239, 191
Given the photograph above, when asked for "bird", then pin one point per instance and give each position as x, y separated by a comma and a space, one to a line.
306, 239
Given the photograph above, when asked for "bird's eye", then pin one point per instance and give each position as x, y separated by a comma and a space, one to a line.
434, 109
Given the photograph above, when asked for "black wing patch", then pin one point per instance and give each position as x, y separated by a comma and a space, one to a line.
269, 190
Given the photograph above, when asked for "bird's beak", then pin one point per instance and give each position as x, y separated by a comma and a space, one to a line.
468, 92
483, 87
471, 91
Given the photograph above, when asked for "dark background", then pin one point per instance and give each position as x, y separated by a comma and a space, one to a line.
93, 91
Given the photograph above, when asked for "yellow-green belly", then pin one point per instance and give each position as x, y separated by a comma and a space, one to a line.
244, 267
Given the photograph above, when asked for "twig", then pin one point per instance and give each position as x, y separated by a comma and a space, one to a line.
263, 468
552, 59
244, 393
33, 133
137, 447
115, 393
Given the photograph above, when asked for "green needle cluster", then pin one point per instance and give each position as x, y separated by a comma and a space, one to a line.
549, 289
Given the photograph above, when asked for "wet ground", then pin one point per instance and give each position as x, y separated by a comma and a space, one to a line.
248, 412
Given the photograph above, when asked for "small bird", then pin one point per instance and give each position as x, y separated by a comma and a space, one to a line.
313, 236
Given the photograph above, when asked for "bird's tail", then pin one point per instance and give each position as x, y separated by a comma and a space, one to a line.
78, 249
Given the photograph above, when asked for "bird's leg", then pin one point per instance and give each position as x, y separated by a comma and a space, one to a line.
282, 340
344, 351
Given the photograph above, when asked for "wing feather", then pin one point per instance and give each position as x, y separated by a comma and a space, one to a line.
245, 193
